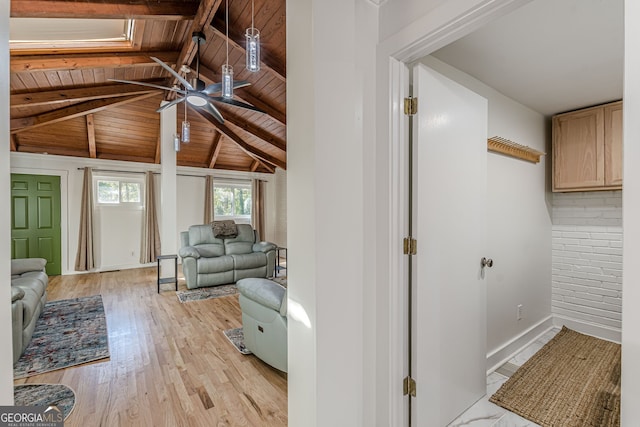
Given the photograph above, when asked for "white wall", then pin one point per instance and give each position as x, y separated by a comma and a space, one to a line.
587, 262
118, 232
630, 410
519, 223
6, 355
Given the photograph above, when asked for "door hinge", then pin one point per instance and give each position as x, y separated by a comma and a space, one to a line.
409, 387
410, 106
410, 246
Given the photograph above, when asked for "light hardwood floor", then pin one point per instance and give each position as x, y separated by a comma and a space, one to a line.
170, 363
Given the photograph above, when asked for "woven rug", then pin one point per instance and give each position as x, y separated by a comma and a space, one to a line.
69, 332
57, 395
236, 336
573, 381
200, 294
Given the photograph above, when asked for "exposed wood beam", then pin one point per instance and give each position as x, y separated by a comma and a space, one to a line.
216, 145
78, 110
250, 150
267, 63
91, 136
247, 126
158, 150
165, 10
204, 15
255, 165
14, 143
210, 76
88, 60
49, 97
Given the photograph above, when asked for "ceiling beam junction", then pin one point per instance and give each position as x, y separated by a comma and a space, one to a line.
91, 136
216, 145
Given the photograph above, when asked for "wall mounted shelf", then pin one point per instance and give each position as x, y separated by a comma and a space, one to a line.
513, 149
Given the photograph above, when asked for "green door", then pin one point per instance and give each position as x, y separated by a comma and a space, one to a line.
35, 219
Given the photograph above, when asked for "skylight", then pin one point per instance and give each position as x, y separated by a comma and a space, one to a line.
62, 31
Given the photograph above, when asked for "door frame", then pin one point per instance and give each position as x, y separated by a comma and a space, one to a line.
397, 53
64, 211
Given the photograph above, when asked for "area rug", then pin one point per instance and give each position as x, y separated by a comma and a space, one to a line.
200, 294
236, 336
69, 332
57, 395
573, 381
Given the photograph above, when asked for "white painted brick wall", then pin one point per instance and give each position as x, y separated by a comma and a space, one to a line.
587, 257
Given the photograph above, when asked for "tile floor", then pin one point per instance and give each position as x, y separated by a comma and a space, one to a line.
485, 413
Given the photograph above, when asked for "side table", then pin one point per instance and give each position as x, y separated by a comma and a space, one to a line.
171, 279
278, 267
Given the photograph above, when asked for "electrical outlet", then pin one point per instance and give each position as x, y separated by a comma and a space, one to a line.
519, 312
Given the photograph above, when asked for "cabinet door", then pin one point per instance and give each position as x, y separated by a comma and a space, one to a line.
578, 150
613, 145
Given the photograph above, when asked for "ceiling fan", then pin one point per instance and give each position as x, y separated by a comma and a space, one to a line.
195, 92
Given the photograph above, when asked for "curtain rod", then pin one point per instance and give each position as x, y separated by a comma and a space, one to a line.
158, 173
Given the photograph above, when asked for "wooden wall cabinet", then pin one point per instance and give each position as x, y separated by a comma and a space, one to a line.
587, 149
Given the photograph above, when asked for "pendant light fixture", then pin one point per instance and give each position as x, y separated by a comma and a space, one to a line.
186, 127
253, 46
227, 70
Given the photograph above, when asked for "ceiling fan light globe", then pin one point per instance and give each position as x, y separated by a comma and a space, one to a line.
196, 100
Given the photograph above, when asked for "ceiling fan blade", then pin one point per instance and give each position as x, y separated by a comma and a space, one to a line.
169, 104
181, 79
217, 87
235, 103
149, 85
213, 111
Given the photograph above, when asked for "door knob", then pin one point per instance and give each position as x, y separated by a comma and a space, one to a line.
486, 262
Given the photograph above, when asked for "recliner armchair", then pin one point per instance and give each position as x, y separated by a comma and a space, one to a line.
209, 261
264, 320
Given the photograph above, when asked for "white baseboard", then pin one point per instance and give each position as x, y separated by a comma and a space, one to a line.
499, 356
598, 331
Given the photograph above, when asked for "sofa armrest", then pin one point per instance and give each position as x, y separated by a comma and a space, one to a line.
16, 293
189, 251
264, 247
23, 265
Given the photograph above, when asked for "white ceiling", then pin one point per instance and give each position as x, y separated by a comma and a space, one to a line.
550, 55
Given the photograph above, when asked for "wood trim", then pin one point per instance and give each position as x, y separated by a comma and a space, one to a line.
13, 140
157, 157
62, 114
91, 136
255, 165
165, 10
216, 145
49, 97
247, 148
87, 60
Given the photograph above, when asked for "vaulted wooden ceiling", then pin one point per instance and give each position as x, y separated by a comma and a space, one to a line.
63, 103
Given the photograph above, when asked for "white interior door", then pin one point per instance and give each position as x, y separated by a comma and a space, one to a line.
449, 295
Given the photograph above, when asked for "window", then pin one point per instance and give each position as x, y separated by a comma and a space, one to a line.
232, 200
118, 192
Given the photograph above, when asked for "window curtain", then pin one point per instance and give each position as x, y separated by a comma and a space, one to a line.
150, 232
84, 257
257, 206
208, 200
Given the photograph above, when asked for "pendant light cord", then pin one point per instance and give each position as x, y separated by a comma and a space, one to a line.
252, 26
227, 24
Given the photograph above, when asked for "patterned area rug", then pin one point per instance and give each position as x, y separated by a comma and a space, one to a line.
200, 294
236, 336
69, 332
573, 381
58, 395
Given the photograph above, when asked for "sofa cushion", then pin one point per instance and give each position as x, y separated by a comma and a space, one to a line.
210, 250
263, 291
30, 284
16, 293
30, 304
215, 265
243, 243
246, 261
202, 234
22, 265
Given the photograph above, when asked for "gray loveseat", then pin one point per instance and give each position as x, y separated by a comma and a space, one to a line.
209, 261
29, 282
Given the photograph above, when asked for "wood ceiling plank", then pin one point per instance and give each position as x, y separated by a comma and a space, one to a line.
165, 10
158, 150
40, 149
28, 123
50, 97
88, 60
250, 127
247, 148
215, 149
91, 136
